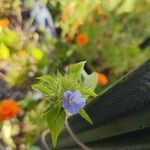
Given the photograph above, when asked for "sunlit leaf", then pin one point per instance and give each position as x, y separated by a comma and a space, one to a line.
4, 51
7, 134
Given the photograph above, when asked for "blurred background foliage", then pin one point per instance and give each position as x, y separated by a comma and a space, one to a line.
39, 37
106, 34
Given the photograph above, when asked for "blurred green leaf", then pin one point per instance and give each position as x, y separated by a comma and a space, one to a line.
10, 38
4, 51
7, 134
37, 54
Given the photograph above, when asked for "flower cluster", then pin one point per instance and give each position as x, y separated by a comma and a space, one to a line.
8, 109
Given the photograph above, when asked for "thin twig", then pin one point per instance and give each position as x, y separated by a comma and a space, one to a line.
82, 145
43, 139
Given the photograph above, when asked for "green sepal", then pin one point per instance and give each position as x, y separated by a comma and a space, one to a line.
85, 116
88, 92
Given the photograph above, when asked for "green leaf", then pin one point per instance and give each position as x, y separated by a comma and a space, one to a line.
55, 119
37, 54
40, 87
10, 38
4, 51
47, 79
85, 116
88, 92
76, 69
90, 81
89, 84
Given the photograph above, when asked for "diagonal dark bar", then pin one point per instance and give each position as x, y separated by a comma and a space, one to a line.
123, 108
129, 94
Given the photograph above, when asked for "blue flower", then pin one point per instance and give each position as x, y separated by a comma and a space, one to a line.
73, 101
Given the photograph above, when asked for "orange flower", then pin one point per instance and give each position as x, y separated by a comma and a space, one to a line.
82, 39
102, 79
4, 22
8, 109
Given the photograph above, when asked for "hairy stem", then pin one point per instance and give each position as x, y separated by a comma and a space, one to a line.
82, 145
43, 139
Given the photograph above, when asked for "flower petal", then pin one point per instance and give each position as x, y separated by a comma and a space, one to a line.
73, 101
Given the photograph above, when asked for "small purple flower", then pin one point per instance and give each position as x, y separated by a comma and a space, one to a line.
73, 101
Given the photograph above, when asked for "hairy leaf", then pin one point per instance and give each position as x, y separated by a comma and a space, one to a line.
76, 70
40, 87
55, 120
90, 81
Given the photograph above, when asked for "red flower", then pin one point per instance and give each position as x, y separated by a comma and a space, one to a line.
82, 39
102, 79
8, 109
